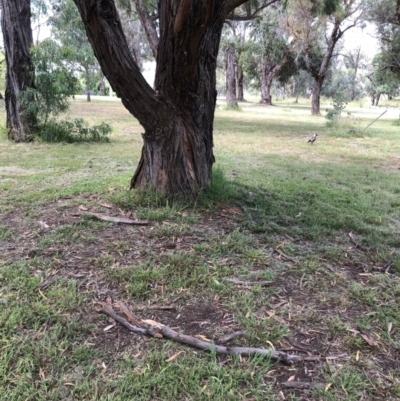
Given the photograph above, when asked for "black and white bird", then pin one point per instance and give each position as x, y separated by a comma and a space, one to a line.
312, 139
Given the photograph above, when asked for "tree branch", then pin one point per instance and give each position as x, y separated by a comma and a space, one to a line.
155, 329
251, 15
104, 31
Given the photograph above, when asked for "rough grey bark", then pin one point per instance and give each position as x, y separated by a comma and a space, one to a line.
316, 95
231, 100
239, 83
177, 116
17, 35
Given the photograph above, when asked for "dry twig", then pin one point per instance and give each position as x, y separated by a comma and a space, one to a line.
229, 337
357, 245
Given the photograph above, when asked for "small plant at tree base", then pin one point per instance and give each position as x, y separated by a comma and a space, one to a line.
55, 84
339, 104
76, 130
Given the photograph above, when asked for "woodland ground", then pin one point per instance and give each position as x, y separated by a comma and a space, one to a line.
280, 209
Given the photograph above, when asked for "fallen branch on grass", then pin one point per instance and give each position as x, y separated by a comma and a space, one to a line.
229, 337
280, 253
248, 283
301, 385
118, 220
357, 245
159, 330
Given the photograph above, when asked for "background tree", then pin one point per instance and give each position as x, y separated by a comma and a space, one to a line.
55, 83
300, 84
381, 80
140, 22
317, 26
272, 48
386, 17
235, 44
17, 36
354, 60
69, 31
230, 71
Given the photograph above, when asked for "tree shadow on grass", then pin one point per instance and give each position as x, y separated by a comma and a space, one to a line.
314, 206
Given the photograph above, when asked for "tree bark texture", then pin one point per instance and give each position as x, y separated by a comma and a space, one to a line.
177, 116
267, 75
87, 78
239, 83
316, 96
231, 100
17, 34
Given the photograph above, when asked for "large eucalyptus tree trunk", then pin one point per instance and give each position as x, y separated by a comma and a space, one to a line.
177, 116
17, 36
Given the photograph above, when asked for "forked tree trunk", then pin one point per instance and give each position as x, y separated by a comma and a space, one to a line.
268, 73
231, 99
239, 83
177, 116
17, 34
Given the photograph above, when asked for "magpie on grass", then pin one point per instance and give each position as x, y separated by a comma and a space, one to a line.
312, 139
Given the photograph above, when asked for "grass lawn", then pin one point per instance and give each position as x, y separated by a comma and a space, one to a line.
321, 221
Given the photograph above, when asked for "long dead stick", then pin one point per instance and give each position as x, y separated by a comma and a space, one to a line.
118, 220
248, 283
157, 328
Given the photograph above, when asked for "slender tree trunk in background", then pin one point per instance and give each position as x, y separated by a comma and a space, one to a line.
87, 85
316, 96
102, 86
239, 82
377, 98
177, 116
149, 26
17, 36
231, 99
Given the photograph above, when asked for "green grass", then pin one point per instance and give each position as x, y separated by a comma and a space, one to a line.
271, 192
